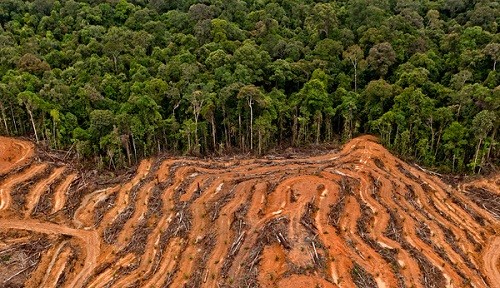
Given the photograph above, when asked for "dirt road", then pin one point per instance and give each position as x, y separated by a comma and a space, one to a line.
89, 239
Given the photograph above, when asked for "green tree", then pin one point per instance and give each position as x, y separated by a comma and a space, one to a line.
380, 57
321, 20
493, 50
197, 100
251, 94
455, 143
31, 102
482, 125
116, 41
348, 109
354, 55
313, 100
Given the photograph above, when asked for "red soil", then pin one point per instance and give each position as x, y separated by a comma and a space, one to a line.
355, 218
13, 153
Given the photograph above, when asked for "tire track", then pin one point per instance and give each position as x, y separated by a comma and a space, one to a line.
356, 217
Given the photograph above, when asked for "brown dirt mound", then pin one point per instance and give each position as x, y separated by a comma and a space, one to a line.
13, 153
354, 218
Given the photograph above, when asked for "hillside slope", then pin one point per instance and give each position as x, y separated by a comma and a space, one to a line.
356, 218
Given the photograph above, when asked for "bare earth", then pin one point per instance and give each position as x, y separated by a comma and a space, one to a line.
354, 218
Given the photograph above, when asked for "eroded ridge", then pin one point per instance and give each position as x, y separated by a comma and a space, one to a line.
356, 218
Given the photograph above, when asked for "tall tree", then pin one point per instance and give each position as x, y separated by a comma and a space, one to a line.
355, 55
493, 50
197, 99
116, 41
251, 94
380, 57
31, 102
482, 124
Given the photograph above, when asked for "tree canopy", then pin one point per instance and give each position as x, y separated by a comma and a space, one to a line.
124, 79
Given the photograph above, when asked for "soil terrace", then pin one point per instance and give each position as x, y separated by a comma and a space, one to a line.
358, 217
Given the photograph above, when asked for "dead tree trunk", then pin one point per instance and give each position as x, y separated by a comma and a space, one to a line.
250, 104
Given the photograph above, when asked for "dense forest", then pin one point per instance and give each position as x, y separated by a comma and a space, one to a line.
117, 81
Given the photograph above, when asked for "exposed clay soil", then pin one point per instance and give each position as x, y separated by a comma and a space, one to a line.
358, 217
13, 153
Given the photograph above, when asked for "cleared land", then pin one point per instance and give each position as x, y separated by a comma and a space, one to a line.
356, 218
